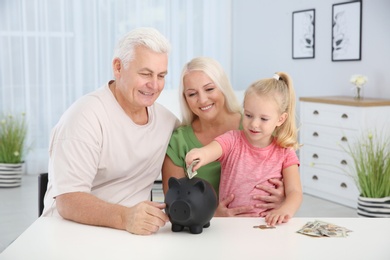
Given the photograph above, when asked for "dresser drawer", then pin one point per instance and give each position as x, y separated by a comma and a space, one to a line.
330, 115
323, 159
327, 137
328, 126
330, 185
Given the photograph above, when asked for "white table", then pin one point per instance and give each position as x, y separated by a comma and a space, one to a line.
226, 238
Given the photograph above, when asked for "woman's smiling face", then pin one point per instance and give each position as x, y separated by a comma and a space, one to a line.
203, 97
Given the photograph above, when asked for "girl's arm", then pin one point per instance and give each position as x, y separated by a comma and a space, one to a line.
205, 155
293, 191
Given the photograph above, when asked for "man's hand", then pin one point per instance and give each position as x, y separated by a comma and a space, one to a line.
224, 211
145, 218
275, 198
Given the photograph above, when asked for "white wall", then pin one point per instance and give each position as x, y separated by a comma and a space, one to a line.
262, 39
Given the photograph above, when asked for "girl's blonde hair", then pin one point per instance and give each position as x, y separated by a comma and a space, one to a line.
215, 72
280, 87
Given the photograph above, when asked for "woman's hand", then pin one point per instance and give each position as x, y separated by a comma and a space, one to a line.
275, 198
224, 211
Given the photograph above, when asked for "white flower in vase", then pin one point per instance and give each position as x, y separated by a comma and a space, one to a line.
359, 81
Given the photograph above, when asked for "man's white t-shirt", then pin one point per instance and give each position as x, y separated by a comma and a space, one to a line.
96, 148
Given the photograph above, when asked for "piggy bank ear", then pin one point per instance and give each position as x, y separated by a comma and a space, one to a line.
200, 186
173, 183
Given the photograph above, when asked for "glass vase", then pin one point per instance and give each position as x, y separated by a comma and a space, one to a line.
358, 93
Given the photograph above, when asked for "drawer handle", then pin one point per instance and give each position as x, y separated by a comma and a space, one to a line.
343, 185
315, 134
315, 112
344, 116
343, 162
315, 177
344, 139
315, 156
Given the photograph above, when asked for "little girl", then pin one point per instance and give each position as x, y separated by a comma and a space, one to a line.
264, 149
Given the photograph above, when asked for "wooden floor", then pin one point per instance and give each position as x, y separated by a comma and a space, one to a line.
19, 209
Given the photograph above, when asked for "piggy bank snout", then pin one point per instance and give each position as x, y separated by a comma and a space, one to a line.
180, 210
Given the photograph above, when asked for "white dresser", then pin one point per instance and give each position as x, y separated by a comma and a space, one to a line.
326, 125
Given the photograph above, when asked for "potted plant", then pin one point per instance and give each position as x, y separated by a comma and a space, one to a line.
371, 158
13, 132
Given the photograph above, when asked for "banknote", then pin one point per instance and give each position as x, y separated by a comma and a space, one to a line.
321, 229
190, 172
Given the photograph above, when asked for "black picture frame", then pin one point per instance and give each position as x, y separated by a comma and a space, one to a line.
303, 34
347, 31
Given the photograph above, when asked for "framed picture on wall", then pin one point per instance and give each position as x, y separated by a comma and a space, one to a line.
303, 37
346, 31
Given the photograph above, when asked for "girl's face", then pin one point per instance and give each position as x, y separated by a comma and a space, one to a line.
203, 97
261, 117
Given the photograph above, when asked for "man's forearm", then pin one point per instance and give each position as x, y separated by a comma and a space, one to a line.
87, 209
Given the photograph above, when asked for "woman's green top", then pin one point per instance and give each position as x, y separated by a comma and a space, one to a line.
182, 141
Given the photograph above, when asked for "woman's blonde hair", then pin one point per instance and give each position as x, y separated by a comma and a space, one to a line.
280, 87
215, 72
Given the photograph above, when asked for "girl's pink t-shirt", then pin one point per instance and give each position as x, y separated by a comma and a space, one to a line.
243, 166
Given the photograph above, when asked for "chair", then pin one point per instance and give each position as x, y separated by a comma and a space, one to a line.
157, 192
42, 187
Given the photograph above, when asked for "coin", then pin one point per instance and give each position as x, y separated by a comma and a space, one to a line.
264, 227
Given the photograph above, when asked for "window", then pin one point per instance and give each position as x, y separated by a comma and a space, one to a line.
54, 51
